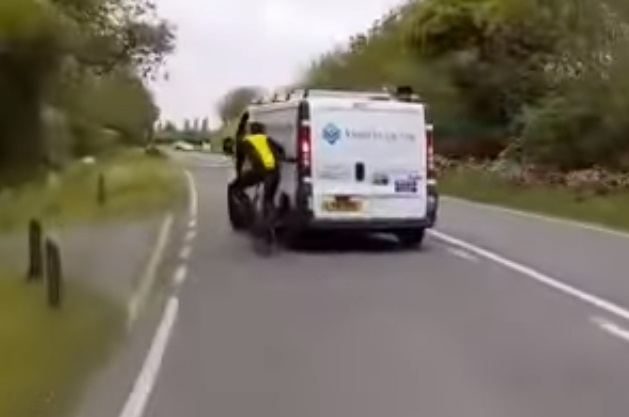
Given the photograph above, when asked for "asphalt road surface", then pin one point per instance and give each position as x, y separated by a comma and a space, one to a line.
519, 317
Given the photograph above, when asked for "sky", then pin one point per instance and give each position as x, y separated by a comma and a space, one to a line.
222, 44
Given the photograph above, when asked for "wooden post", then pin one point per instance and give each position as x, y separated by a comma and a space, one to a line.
54, 275
35, 251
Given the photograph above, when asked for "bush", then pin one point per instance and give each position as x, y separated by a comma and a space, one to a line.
585, 181
555, 132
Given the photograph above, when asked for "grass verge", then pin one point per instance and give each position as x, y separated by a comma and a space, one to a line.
611, 210
135, 185
46, 356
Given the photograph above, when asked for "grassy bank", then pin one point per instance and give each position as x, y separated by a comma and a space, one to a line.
610, 210
135, 184
46, 356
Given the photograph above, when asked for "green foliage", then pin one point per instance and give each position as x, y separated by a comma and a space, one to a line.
137, 185
72, 77
479, 185
235, 101
63, 349
543, 79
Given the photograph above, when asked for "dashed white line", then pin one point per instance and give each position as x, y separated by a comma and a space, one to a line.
611, 328
138, 399
185, 252
192, 223
463, 254
548, 281
180, 275
190, 236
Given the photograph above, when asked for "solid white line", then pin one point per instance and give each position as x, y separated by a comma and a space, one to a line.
537, 276
611, 328
150, 272
194, 196
463, 254
184, 255
549, 219
138, 399
180, 275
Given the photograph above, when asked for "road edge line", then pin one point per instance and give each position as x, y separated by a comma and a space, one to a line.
150, 271
538, 276
593, 227
143, 386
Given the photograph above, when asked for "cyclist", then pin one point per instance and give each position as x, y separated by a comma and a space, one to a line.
262, 155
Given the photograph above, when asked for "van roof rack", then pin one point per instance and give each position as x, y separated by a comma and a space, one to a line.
301, 94
369, 95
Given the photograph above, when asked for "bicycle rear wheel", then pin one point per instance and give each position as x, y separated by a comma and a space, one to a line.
264, 239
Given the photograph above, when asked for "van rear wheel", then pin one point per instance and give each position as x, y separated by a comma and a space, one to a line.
410, 239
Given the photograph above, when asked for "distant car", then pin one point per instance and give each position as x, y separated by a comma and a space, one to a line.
183, 146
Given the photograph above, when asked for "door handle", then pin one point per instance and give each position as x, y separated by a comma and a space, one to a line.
359, 172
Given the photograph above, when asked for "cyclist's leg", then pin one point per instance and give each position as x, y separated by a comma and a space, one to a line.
271, 183
237, 193
246, 180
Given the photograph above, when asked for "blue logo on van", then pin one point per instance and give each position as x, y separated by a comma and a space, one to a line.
331, 133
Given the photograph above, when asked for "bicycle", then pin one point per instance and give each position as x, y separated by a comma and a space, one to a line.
261, 225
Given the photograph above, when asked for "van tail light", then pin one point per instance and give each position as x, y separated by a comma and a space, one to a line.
430, 152
305, 148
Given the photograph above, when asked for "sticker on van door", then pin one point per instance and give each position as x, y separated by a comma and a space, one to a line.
380, 178
335, 172
406, 186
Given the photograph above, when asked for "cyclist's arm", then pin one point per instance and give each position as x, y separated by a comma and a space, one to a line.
277, 148
240, 155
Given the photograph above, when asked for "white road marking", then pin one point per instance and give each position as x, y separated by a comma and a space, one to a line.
463, 254
190, 235
180, 275
185, 252
551, 282
150, 272
194, 196
138, 399
548, 219
192, 224
611, 328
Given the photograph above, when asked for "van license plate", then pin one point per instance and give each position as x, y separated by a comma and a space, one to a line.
342, 204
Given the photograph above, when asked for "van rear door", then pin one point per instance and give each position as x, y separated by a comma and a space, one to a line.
368, 159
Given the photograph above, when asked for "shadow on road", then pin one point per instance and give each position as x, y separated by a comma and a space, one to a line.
327, 243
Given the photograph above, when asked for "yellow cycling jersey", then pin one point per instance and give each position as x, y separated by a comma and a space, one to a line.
261, 144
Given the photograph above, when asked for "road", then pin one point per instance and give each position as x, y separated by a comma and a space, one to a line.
531, 324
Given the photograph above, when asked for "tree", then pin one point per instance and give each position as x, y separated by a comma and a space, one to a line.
169, 127
501, 73
55, 53
235, 101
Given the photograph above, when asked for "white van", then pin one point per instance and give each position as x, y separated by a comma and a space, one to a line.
355, 161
